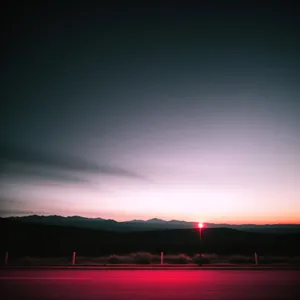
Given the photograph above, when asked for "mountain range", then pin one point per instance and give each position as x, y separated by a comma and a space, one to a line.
146, 225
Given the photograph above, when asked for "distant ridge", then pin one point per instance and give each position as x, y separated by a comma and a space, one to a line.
143, 225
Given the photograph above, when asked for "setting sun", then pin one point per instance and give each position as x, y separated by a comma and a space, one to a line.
200, 225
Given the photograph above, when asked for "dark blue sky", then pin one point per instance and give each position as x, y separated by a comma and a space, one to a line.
141, 109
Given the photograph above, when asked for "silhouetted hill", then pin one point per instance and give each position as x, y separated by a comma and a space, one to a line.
21, 239
152, 224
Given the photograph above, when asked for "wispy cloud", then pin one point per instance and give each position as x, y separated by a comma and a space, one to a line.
18, 161
11, 206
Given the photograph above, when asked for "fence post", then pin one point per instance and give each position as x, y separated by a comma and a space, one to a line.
255, 258
161, 258
73, 258
6, 258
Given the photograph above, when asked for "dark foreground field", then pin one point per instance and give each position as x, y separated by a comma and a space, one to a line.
33, 240
147, 284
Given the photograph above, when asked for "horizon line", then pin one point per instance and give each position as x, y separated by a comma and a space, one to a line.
143, 220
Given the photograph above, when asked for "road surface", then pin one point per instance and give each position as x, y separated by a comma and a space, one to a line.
149, 284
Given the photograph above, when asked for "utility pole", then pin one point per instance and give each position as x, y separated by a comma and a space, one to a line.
200, 226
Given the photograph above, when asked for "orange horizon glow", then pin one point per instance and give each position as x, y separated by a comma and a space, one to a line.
129, 217
211, 218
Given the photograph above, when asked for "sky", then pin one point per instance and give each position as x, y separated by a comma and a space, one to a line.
167, 109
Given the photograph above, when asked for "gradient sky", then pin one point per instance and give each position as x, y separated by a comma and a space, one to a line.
134, 110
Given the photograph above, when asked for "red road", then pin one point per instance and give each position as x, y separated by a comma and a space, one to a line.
148, 285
